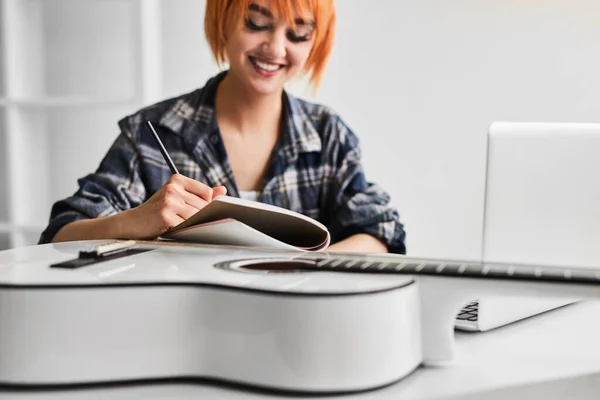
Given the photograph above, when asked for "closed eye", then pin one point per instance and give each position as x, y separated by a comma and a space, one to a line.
251, 25
292, 37
301, 33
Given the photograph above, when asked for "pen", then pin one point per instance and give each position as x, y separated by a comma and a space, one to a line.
162, 149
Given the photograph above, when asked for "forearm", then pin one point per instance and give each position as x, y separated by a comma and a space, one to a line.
361, 242
113, 227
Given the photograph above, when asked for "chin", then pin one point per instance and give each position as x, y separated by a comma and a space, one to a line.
265, 89
266, 84
261, 85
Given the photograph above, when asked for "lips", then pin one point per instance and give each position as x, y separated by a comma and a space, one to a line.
264, 67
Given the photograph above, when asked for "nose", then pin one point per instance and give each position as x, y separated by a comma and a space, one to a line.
274, 46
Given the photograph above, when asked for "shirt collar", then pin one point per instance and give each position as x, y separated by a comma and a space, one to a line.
192, 116
302, 136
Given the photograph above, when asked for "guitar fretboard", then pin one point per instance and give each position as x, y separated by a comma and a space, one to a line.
374, 264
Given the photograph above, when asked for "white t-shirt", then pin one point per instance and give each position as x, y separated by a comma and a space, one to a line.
249, 195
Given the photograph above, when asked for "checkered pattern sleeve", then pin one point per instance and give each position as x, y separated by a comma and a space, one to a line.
115, 186
352, 204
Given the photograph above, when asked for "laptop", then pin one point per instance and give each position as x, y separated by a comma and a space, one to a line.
542, 206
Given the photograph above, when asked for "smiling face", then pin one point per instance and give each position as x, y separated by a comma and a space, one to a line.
265, 50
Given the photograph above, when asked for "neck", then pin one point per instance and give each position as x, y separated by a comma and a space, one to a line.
246, 112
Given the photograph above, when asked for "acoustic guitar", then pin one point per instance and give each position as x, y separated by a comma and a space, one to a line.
292, 321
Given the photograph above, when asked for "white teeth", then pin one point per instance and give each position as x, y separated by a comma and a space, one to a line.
266, 66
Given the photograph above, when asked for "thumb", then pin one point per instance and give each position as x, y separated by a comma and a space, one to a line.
219, 191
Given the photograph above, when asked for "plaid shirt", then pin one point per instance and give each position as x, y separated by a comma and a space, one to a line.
315, 169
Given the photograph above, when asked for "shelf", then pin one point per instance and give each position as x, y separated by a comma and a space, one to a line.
69, 71
68, 102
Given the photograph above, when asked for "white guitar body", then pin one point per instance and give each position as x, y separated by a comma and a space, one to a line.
196, 312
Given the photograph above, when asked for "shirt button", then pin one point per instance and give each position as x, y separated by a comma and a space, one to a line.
214, 139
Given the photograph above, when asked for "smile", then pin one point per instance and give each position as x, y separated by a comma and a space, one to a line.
265, 68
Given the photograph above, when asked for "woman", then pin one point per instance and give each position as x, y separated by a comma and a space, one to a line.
242, 135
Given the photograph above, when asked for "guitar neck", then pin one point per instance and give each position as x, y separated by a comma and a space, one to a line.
389, 265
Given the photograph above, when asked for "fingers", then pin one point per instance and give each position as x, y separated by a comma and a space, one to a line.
171, 220
176, 205
197, 188
194, 201
185, 211
193, 193
178, 200
168, 218
198, 203
219, 191
192, 186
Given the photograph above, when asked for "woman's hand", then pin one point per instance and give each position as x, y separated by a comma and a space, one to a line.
176, 201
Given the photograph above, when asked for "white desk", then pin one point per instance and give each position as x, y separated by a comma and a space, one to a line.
551, 356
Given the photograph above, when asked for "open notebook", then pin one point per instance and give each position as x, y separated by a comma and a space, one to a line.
239, 222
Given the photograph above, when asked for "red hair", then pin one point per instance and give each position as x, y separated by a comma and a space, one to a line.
221, 13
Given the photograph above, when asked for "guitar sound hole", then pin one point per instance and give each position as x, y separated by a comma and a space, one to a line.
275, 267
266, 266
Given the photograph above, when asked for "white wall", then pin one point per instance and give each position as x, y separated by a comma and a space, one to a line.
420, 81
98, 63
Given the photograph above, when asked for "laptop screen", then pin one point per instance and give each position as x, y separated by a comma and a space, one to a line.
542, 197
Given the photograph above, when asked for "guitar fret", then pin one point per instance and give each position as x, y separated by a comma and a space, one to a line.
382, 266
472, 269
496, 271
553, 274
410, 267
451, 268
468, 270
373, 265
429, 268
525, 272
367, 264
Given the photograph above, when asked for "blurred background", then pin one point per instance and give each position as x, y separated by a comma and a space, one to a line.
418, 81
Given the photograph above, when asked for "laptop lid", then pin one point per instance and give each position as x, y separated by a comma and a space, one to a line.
542, 197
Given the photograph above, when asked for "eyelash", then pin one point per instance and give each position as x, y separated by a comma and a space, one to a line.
290, 35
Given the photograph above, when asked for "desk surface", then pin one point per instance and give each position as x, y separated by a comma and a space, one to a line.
552, 356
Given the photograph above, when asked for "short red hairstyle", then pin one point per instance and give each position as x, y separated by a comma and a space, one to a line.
221, 13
